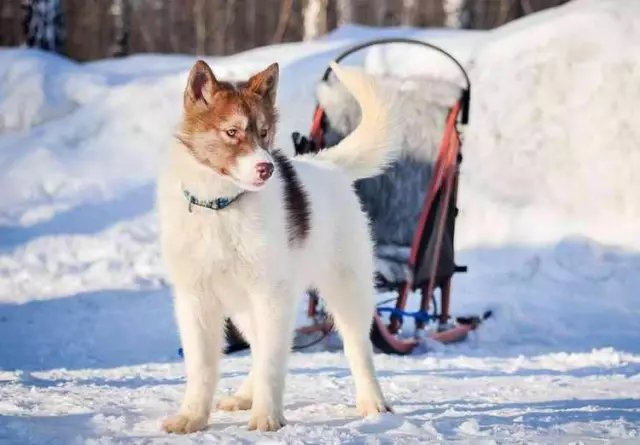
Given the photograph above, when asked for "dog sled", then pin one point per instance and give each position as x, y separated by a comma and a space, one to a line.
414, 280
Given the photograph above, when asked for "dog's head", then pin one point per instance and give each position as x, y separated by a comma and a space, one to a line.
230, 128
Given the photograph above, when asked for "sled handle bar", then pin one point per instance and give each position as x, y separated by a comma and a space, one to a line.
466, 93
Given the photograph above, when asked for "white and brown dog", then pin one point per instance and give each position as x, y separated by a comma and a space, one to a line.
246, 231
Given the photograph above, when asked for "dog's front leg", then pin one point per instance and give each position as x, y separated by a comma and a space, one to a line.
200, 322
274, 319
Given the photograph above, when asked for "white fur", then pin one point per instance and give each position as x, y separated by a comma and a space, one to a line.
374, 144
238, 262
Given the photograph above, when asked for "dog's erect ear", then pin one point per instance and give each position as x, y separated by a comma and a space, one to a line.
201, 87
265, 83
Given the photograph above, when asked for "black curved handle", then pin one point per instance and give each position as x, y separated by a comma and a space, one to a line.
466, 93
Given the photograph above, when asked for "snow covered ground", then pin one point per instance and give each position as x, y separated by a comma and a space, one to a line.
549, 227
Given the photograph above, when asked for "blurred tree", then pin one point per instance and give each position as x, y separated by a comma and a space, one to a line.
120, 12
95, 29
381, 11
458, 13
315, 19
345, 12
251, 13
230, 40
200, 21
43, 24
409, 12
11, 14
283, 20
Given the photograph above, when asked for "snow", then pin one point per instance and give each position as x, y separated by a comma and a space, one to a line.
549, 227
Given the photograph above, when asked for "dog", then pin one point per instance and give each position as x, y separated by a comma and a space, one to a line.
246, 230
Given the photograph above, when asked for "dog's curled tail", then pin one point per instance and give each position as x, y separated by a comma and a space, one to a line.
374, 144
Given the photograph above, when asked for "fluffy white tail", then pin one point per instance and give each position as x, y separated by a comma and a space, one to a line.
374, 144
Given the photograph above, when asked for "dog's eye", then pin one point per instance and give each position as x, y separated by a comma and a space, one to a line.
263, 133
232, 132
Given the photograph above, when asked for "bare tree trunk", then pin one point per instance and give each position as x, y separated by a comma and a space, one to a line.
200, 20
315, 19
44, 24
216, 16
229, 20
171, 28
519, 8
251, 14
10, 23
409, 12
527, 8
345, 12
283, 20
505, 9
120, 12
458, 13
382, 8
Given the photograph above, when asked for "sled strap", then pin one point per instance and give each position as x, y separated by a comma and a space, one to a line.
317, 131
419, 316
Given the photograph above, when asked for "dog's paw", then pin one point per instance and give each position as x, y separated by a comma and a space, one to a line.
272, 422
184, 424
234, 403
369, 407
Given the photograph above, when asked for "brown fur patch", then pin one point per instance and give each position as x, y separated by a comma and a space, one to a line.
296, 200
212, 108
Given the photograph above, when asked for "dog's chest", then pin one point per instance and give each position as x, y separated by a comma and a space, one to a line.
213, 247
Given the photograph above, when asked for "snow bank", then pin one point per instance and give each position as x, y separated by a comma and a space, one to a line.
105, 135
552, 148
36, 87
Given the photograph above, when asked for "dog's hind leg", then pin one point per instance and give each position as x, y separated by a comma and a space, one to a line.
348, 293
274, 317
243, 397
200, 322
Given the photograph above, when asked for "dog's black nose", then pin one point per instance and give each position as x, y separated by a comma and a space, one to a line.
264, 170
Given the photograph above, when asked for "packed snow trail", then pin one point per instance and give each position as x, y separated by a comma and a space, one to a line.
548, 227
554, 398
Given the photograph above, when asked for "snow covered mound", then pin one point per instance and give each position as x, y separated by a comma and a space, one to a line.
92, 136
553, 147
54, 87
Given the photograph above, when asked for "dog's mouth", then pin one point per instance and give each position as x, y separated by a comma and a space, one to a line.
249, 186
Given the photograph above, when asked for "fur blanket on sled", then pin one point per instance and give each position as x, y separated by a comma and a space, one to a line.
394, 199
